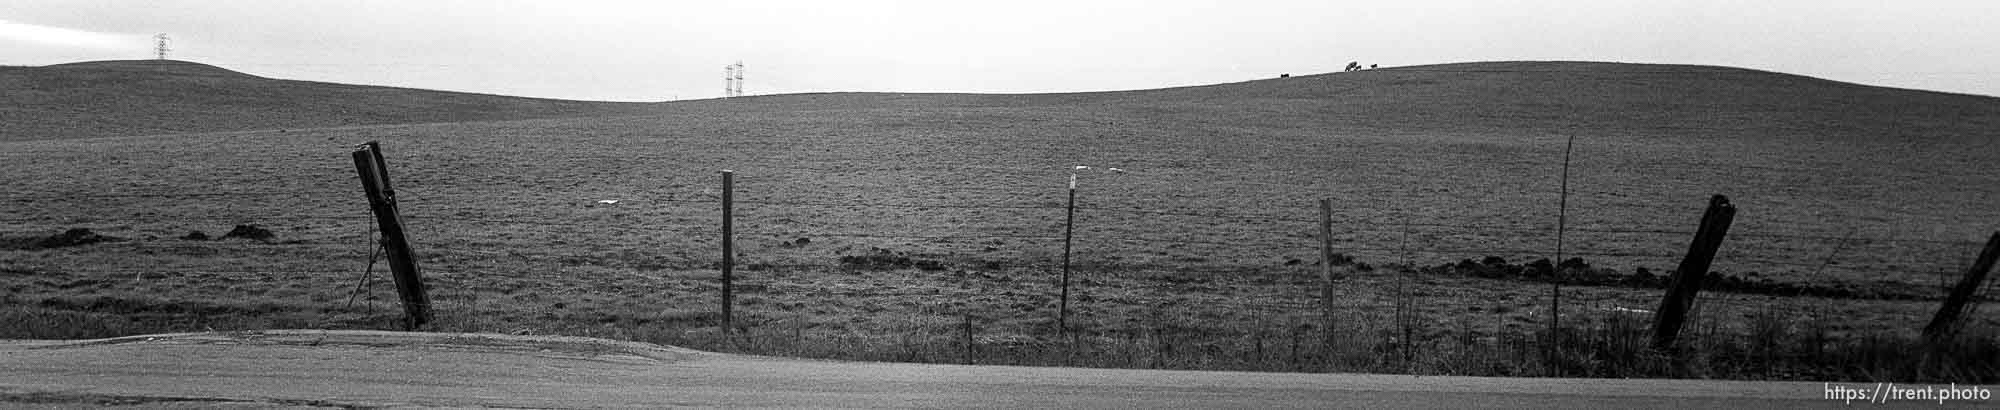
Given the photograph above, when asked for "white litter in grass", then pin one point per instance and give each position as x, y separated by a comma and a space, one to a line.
608, 201
1622, 309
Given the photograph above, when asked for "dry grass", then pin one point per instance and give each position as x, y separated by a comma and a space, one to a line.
144, 97
504, 216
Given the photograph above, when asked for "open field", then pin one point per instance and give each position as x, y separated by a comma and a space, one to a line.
1201, 255
144, 97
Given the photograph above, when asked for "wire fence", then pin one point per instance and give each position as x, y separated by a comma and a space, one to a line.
1216, 264
1301, 241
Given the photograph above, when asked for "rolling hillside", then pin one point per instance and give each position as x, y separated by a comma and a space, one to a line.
1495, 96
586, 224
1586, 95
140, 97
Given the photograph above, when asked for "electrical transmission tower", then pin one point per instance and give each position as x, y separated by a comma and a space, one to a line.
732, 80
160, 46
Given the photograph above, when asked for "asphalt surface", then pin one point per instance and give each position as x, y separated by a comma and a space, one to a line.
366, 369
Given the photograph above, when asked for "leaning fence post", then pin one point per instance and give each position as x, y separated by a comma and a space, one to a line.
374, 174
1556, 277
1687, 279
728, 247
1946, 321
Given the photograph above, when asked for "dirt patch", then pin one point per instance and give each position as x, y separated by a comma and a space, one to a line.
27, 271
16, 242
152, 305
1576, 272
884, 259
69, 238
795, 243
252, 232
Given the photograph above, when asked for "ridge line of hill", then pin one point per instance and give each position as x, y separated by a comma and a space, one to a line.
149, 97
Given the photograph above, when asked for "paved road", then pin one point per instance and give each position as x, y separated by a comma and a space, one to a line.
311, 368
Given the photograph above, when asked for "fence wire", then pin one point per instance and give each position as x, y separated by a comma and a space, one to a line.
1112, 287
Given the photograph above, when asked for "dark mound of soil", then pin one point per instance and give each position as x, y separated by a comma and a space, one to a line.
74, 237
250, 232
1576, 272
886, 259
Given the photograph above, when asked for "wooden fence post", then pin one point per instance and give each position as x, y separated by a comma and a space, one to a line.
1556, 277
1326, 267
1687, 279
970, 355
728, 249
402, 261
1946, 321
1069, 227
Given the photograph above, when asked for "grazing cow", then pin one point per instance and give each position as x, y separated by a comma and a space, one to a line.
1371, 66
1353, 65
1286, 75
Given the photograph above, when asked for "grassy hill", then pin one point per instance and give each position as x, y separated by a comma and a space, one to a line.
1510, 96
1210, 232
138, 97
1602, 96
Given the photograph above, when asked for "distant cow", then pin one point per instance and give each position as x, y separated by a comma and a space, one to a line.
1371, 66
1286, 75
1353, 65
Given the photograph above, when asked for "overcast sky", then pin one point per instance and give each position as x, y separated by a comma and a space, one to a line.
660, 50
